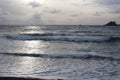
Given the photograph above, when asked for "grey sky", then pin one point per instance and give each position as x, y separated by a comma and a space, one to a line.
58, 12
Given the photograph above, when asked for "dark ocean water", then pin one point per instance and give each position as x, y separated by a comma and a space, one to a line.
65, 52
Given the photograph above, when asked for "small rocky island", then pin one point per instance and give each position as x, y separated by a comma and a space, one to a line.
111, 23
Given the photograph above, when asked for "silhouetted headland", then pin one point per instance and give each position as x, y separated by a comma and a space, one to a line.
111, 23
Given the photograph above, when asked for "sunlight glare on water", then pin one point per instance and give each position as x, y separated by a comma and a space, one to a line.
71, 60
34, 47
32, 29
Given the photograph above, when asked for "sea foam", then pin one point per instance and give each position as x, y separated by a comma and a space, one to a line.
60, 37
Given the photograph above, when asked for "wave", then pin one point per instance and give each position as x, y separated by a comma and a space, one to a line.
72, 56
60, 37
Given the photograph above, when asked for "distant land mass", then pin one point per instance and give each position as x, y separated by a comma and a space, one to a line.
112, 23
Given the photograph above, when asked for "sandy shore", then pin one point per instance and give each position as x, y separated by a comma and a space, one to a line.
20, 78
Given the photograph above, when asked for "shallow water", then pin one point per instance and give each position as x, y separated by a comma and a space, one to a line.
65, 52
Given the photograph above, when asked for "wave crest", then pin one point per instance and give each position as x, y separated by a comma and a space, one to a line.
72, 56
60, 37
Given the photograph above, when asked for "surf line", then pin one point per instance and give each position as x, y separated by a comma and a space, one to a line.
68, 56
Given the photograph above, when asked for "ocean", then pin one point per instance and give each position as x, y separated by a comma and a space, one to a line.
68, 52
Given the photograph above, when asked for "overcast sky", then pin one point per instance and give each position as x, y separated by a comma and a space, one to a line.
55, 12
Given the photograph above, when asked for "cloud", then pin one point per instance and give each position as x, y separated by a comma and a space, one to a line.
35, 19
112, 5
34, 4
77, 14
4, 12
81, 3
114, 11
3, 20
51, 10
98, 13
3, 16
74, 15
108, 2
58, 11
14, 11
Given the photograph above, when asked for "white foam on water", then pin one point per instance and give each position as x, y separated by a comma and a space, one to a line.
60, 37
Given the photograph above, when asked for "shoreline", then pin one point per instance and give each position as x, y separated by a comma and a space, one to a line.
24, 78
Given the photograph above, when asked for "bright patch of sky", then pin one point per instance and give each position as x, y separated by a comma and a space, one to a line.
58, 12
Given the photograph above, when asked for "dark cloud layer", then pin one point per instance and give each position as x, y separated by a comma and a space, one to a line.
112, 5
108, 2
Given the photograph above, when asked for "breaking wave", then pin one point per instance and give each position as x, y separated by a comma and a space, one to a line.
60, 37
72, 56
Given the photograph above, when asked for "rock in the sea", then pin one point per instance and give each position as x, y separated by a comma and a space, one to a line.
111, 23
